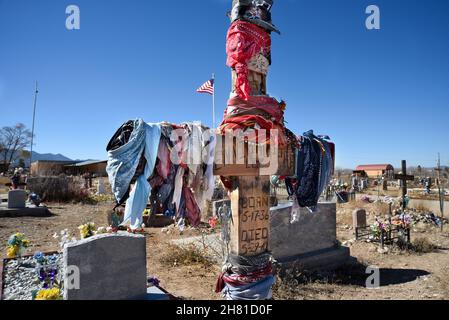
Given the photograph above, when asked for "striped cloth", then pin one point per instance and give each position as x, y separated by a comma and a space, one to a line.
207, 87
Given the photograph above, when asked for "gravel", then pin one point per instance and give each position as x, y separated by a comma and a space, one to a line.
21, 280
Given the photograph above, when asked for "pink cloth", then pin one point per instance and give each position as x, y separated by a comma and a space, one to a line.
244, 41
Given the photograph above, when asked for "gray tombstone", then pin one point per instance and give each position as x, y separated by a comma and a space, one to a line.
313, 231
358, 218
364, 184
216, 205
17, 199
111, 267
309, 242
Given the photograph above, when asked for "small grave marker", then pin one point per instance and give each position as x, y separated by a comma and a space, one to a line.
359, 218
16, 199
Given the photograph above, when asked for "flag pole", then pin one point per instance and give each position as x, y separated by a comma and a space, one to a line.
32, 130
213, 101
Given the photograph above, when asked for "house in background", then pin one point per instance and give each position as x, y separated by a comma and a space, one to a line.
47, 168
93, 167
73, 168
377, 170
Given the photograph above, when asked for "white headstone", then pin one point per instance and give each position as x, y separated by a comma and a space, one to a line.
101, 190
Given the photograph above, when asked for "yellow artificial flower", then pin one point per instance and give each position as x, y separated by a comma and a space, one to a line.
12, 252
87, 230
49, 294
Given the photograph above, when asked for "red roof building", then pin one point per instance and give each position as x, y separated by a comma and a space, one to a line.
376, 170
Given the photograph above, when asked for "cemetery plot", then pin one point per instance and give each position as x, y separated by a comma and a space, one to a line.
428, 271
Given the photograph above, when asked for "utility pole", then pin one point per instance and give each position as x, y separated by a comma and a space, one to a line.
32, 129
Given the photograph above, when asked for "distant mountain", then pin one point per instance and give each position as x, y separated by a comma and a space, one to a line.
49, 157
44, 157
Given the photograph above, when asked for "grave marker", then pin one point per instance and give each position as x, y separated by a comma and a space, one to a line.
251, 215
17, 199
404, 178
111, 267
358, 219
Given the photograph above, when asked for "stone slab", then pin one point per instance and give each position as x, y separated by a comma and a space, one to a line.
157, 294
216, 205
359, 218
111, 267
29, 211
17, 199
325, 259
314, 231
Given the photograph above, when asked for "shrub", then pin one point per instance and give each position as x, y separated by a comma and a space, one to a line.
185, 255
59, 189
423, 245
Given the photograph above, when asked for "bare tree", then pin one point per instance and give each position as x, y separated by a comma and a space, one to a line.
13, 141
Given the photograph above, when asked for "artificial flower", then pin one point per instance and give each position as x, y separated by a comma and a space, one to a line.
12, 252
49, 294
39, 257
87, 230
213, 222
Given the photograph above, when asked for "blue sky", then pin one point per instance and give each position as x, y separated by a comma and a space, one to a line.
382, 95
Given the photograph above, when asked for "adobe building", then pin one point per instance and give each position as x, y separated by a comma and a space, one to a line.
97, 168
48, 168
72, 168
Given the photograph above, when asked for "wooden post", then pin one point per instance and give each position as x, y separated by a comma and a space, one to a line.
404, 182
250, 201
250, 192
251, 215
404, 178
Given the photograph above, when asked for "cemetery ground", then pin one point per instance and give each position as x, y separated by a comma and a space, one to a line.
418, 273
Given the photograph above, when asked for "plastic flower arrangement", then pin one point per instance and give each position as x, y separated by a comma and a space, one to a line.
380, 226
87, 230
39, 257
49, 294
64, 238
46, 270
101, 230
403, 221
17, 243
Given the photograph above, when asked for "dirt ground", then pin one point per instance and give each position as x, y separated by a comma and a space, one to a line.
404, 275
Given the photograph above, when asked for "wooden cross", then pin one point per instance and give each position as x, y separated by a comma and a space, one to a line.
404, 178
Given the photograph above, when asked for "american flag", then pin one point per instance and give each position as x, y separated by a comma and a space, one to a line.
207, 87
